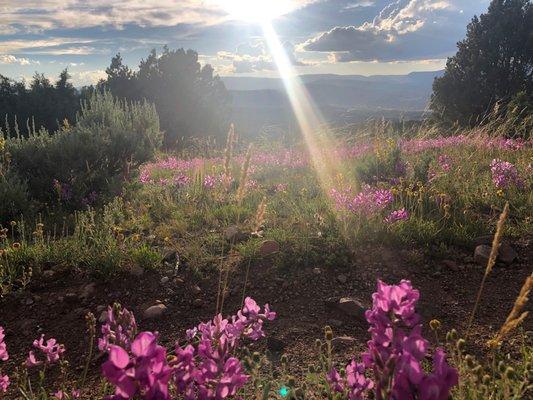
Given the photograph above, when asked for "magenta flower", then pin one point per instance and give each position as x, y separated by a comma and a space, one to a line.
397, 215
505, 174
52, 351
4, 356
120, 329
4, 383
146, 372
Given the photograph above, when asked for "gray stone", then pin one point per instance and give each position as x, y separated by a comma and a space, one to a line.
342, 278
507, 254
196, 289
103, 317
268, 247
136, 270
198, 303
450, 264
165, 279
317, 271
335, 323
274, 344
351, 307
155, 311
88, 291
342, 341
234, 235
482, 254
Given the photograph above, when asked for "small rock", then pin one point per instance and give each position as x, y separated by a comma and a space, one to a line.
450, 264
28, 301
171, 257
482, 254
179, 281
317, 271
165, 279
136, 270
103, 317
268, 247
335, 323
197, 303
234, 235
507, 254
342, 341
351, 307
342, 278
274, 344
71, 297
155, 311
196, 289
88, 291
49, 274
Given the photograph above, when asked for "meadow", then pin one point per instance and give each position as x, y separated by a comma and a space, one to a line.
98, 215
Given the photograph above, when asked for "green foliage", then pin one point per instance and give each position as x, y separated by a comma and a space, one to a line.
78, 165
493, 63
14, 198
41, 105
145, 257
383, 165
190, 100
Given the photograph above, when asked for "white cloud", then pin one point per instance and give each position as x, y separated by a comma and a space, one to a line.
403, 30
44, 15
11, 59
85, 78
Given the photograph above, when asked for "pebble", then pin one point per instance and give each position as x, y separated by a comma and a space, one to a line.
154, 311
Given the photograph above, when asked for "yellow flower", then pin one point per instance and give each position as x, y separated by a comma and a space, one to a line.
13, 223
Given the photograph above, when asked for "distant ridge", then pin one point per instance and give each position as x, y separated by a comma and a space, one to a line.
341, 98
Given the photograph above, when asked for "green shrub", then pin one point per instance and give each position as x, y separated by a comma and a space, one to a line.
14, 199
79, 165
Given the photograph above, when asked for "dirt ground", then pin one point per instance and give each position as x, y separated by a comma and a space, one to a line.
55, 304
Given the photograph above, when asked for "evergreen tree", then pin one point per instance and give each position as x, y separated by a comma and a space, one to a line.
493, 64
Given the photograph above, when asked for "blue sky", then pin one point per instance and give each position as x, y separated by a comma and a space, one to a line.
366, 37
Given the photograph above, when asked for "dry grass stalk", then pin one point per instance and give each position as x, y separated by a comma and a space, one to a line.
259, 218
491, 261
228, 152
516, 316
241, 191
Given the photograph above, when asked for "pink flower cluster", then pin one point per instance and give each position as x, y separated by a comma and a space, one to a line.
397, 215
505, 174
51, 350
4, 356
445, 162
119, 329
368, 202
205, 368
396, 352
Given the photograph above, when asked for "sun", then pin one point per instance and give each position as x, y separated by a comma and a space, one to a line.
257, 11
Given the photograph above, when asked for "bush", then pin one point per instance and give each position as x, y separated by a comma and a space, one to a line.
78, 165
13, 196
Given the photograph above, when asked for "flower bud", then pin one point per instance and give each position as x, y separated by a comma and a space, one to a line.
485, 379
501, 367
510, 373
291, 381
434, 324
461, 344
328, 333
284, 359
469, 361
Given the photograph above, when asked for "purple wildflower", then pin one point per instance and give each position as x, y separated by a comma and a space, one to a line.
505, 174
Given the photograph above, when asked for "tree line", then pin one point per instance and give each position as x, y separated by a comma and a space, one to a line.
492, 70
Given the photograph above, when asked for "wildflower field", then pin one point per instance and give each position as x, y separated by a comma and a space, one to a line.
125, 285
